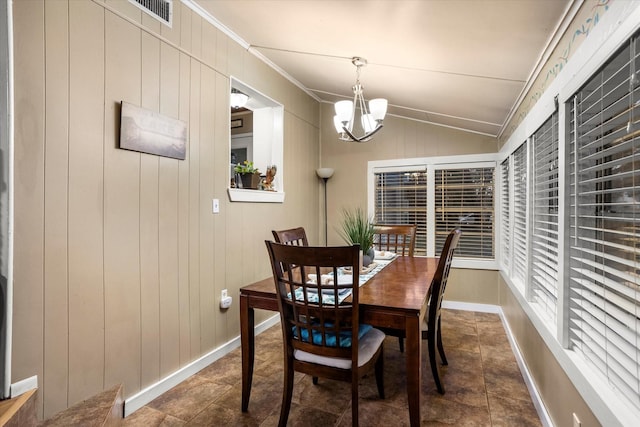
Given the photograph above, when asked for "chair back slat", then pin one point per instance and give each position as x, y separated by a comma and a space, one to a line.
317, 325
292, 236
397, 238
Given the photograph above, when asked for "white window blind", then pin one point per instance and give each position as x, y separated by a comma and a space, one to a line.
505, 223
544, 238
464, 200
604, 180
401, 198
519, 259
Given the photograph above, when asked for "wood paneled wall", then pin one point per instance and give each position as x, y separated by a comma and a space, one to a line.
119, 260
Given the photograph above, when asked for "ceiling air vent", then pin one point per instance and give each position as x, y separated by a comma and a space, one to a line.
162, 10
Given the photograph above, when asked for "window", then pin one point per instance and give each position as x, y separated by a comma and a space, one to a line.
505, 224
439, 194
401, 198
464, 199
543, 268
604, 222
519, 258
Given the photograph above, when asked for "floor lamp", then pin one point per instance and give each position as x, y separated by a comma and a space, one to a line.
325, 174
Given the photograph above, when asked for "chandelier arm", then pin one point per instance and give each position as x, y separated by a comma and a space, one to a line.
370, 134
363, 138
351, 136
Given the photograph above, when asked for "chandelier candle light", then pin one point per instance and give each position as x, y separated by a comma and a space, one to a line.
371, 118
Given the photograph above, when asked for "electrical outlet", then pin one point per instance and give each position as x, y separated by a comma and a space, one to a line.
225, 300
576, 420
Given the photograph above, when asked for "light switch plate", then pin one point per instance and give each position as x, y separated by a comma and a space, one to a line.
216, 205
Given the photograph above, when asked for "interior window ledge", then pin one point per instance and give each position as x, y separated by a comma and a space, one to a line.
255, 196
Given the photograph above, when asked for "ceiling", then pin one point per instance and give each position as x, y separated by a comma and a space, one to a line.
463, 64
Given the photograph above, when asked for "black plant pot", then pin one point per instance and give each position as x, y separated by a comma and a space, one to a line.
250, 180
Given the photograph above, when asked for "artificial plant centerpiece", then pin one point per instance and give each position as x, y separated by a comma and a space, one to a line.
249, 174
357, 227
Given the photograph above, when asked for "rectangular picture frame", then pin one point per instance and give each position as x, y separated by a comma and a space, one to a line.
149, 132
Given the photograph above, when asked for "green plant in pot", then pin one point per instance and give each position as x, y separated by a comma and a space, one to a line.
249, 174
357, 227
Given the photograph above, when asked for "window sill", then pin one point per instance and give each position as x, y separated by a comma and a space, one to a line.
255, 196
474, 264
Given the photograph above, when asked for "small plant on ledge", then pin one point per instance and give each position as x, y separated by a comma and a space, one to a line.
249, 174
246, 167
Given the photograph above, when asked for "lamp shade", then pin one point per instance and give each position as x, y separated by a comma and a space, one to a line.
344, 110
368, 124
325, 173
378, 108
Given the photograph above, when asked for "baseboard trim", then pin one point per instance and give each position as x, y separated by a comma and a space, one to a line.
24, 386
145, 396
470, 306
526, 375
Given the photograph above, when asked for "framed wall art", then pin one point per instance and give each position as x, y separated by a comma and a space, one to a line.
149, 132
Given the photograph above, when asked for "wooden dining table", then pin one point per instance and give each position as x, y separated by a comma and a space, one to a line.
394, 298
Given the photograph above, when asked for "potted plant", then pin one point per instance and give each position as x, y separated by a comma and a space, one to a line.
249, 174
357, 227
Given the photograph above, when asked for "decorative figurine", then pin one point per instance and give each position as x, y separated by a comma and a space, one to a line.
267, 183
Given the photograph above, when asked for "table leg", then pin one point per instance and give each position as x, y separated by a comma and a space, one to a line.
414, 360
247, 339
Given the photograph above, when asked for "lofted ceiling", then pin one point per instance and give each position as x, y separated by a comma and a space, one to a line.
463, 64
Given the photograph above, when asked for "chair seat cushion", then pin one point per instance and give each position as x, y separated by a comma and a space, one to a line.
345, 336
368, 344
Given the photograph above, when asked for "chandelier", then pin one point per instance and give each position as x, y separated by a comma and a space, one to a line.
370, 119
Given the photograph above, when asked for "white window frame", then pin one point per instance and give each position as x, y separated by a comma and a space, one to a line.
544, 274
463, 166
519, 262
431, 164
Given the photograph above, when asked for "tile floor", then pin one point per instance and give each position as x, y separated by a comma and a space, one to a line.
483, 385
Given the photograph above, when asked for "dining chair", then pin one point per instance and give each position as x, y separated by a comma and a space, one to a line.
397, 238
322, 335
431, 331
292, 236
430, 328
